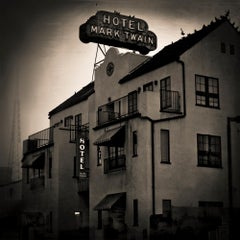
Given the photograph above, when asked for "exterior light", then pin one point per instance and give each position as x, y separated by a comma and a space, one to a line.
77, 213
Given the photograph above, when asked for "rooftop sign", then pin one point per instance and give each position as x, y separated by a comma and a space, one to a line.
118, 30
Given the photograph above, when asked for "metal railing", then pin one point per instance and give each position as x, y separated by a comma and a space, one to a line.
118, 109
37, 140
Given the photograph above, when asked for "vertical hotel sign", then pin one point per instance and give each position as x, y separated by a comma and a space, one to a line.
81, 156
114, 29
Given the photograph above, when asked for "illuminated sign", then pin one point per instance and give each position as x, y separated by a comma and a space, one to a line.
118, 30
82, 148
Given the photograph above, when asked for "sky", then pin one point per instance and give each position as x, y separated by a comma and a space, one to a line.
43, 62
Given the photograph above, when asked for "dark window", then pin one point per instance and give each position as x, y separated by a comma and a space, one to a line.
232, 49
207, 91
135, 143
99, 156
11, 192
74, 167
49, 222
68, 121
50, 167
116, 159
167, 208
223, 47
165, 89
148, 87
135, 212
132, 102
165, 158
110, 111
99, 219
78, 120
27, 169
209, 151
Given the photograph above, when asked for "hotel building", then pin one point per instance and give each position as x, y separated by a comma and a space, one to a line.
149, 147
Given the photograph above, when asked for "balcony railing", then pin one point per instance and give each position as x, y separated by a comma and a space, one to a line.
79, 130
170, 101
115, 163
38, 140
118, 109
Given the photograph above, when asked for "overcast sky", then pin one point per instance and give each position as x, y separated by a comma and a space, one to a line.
40, 49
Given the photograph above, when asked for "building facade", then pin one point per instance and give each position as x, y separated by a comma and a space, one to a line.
149, 148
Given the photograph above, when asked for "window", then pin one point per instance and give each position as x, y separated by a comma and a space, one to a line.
74, 167
132, 102
148, 87
232, 49
50, 167
207, 91
78, 120
135, 212
223, 47
49, 222
165, 89
134, 139
68, 121
100, 219
99, 156
28, 177
167, 208
116, 159
209, 150
164, 135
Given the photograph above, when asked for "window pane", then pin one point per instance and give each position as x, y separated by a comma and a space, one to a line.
209, 150
132, 102
134, 139
201, 100
165, 84
212, 85
200, 84
213, 102
165, 146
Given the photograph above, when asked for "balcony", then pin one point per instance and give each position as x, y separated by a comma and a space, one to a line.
119, 109
170, 101
115, 163
79, 130
38, 140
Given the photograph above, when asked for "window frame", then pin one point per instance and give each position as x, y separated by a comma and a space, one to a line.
165, 90
68, 121
166, 147
204, 155
135, 213
206, 93
148, 87
99, 156
135, 143
116, 159
132, 102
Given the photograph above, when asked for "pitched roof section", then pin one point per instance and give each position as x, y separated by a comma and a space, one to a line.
172, 52
78, 97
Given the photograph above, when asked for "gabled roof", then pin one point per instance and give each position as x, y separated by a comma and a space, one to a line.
172, 52
78, 97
